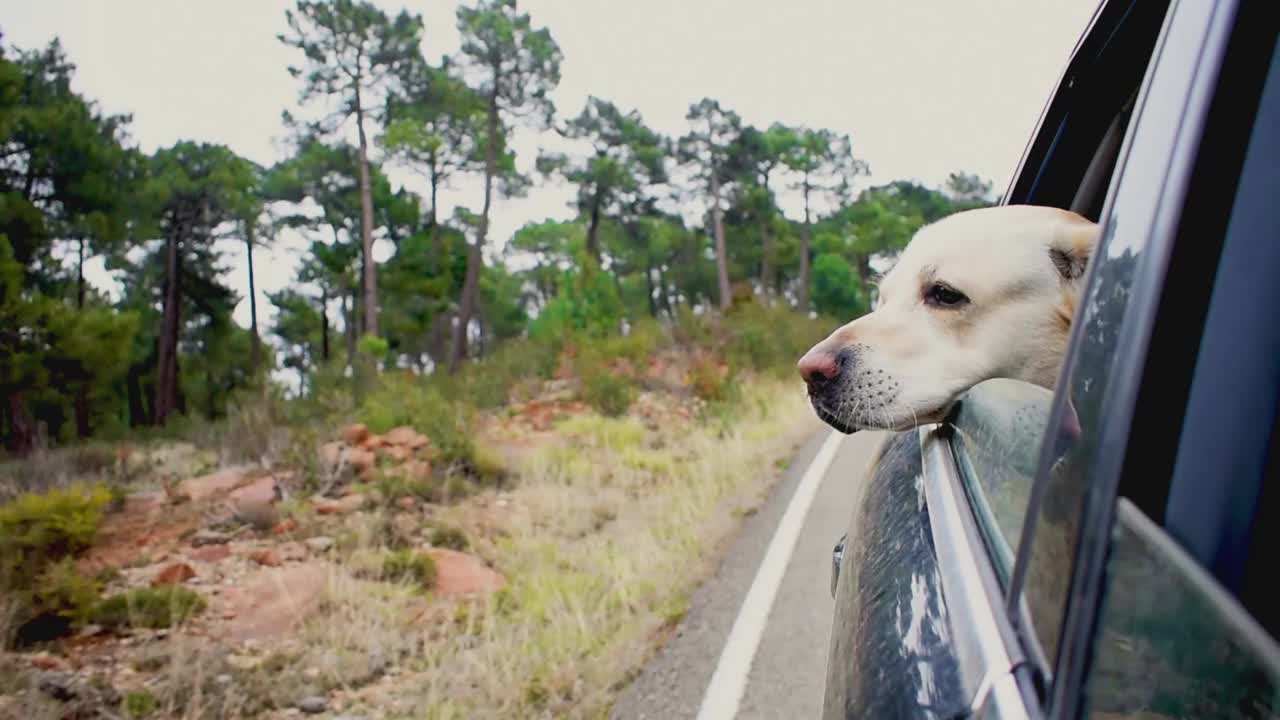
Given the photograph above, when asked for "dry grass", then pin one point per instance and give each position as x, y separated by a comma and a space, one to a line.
602, 540
602, 536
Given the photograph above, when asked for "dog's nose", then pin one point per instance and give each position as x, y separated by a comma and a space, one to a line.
818, 364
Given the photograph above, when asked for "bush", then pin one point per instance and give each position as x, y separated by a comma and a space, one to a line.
410, 566
139, 704
400, 400
449, 537
711, 381
38, 530
608, 393
161, 607
61, 590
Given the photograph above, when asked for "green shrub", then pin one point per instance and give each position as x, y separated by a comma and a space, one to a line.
139, 704
608, 393
711, 382
37, 530
447, 536
400, 400
410, 566
63, 591
161, 607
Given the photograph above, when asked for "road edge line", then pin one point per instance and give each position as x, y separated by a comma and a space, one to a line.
729, 681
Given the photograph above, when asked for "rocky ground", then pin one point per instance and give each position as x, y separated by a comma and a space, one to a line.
301, 617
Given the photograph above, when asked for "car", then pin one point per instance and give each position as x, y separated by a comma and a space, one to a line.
1104, 550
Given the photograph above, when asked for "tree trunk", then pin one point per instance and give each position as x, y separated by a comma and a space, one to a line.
435, 193
80, 277
324, 325
349, 320
167, 364
863, 266
470, 286
766, 249
255, 346
648, 284
22, 430
370, 277
722, 256
804, 252
82, 408
593, 228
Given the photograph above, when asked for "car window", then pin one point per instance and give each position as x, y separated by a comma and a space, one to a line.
998, 426
1100, 345
1171, 643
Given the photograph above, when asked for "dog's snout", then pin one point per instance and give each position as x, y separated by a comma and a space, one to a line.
818, 365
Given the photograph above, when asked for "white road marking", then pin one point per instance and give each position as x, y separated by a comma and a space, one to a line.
729, 682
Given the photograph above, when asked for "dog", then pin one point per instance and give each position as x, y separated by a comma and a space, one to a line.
981, 294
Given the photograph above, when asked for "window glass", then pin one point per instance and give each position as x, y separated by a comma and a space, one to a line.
1078, 426
1170, 642
998, 426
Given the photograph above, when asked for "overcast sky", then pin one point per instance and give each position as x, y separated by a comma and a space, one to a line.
923, 88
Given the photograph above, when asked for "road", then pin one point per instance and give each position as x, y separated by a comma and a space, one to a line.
754, 643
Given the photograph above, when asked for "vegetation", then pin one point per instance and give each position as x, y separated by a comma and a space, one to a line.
410, 566
161, 607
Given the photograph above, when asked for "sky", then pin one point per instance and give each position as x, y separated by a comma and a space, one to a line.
922, 87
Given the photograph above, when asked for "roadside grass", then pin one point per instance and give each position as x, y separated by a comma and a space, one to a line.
601, 557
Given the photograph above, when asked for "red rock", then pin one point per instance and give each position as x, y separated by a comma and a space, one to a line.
213, 483
210, 553
341, 506
397, 453
355, 434
406, 503
45, 661
272, 602
418, 469
362, 460
265, 556
285, 526
373, 442
173, 574
460, 573
259, 492
407, 437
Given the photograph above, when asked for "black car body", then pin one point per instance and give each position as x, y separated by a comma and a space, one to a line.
1104, 550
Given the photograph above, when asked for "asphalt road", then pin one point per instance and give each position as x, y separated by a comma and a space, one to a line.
709, 665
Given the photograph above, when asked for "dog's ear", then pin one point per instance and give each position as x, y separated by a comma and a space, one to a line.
1071, 248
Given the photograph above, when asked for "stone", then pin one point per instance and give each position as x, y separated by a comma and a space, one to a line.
397, 453
209, 537
259, 492
173, 574
319, 544
210, 553
406, 436
406, 503
46, 661
355, 434
271, 602
60, 686
266, 557
285, 526
361, 460
458, 573
313, 705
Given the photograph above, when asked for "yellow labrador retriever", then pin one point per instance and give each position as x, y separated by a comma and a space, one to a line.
977, 295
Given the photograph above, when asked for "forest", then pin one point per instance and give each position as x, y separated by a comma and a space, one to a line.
659, 226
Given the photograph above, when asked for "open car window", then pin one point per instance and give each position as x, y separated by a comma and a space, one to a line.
998, 427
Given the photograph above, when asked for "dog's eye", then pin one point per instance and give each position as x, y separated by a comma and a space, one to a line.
943, 296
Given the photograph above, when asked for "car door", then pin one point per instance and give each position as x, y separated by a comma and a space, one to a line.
1116, 615
1020, 577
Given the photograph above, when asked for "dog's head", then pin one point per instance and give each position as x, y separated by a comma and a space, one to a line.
980, 294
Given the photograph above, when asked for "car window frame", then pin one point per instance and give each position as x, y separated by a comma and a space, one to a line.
1063, 672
